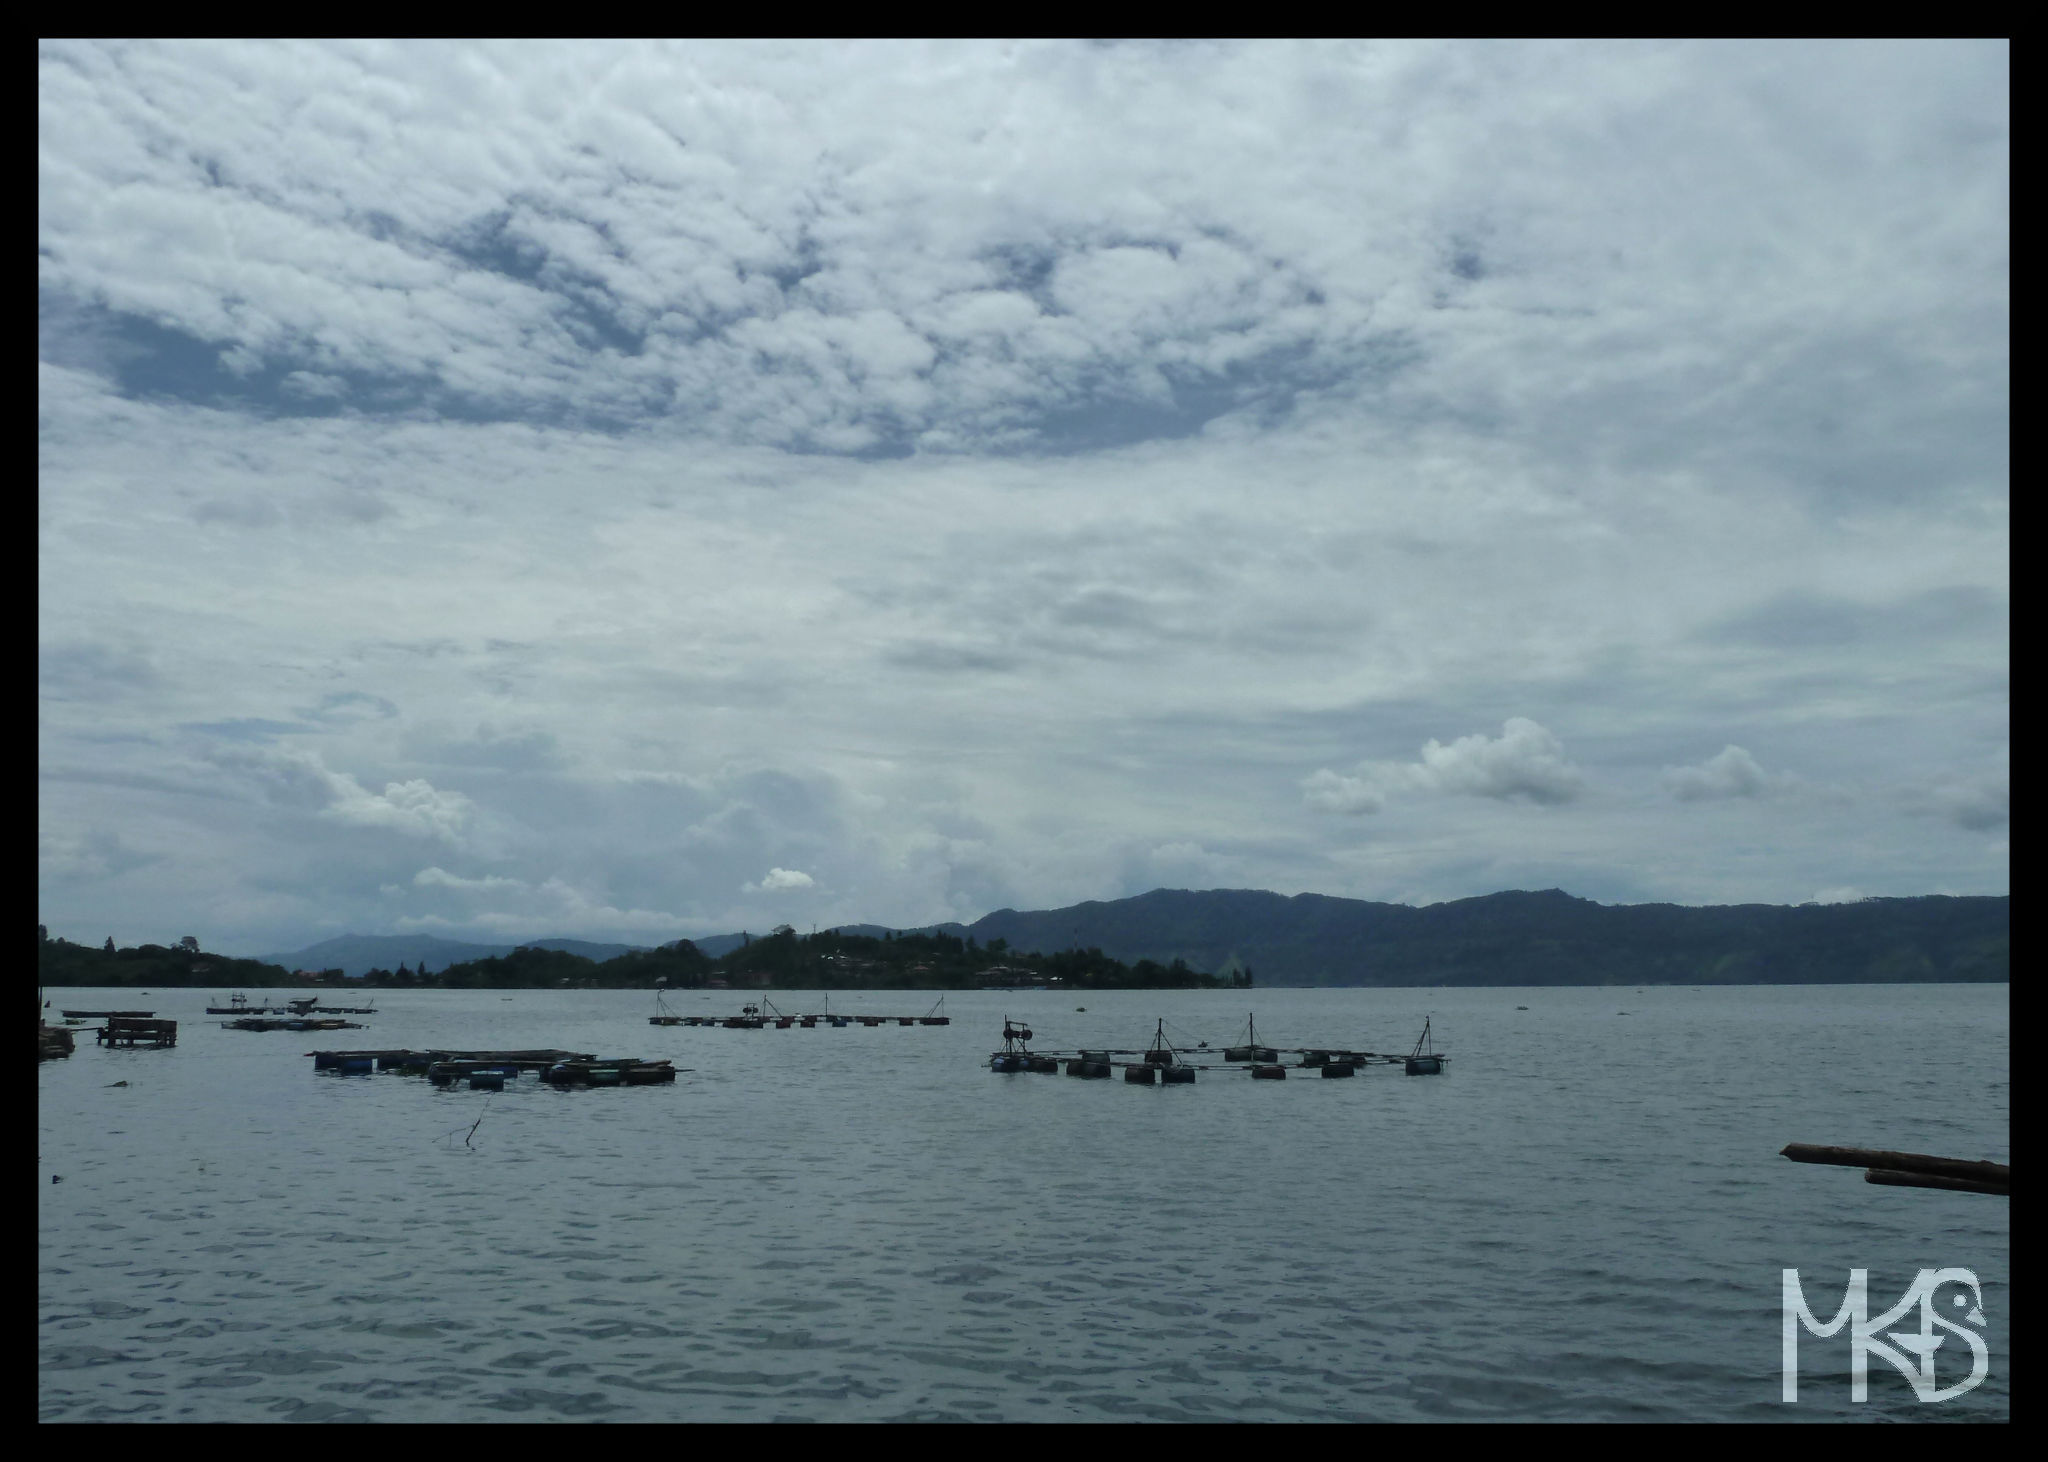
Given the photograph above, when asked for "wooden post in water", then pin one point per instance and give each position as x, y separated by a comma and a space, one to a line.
1910, 1169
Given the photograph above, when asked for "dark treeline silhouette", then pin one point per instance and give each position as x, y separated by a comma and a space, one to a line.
780, 960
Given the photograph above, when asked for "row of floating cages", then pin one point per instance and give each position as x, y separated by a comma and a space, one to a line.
784, 1022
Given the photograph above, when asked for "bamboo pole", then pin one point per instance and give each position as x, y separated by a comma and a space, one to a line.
1893, 1179
1910, 1169
1902, 1162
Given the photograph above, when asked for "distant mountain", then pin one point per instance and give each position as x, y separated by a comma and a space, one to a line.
1521, 938
356, 955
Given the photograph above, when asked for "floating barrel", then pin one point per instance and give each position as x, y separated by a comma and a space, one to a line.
441, 1073
1141, 1075
1045, 1064
841, 1022
392, 1063
808, 1021
324, 1059
1269, 1073
1177, 1075
356, 1066
605, 1076
486, 1081
1425, 1065
1315, 1058
561, 1073
935, 1020
1237, 1053
1009, 1063
1159, 1058
1339, 1068
906, 1020
785, 1022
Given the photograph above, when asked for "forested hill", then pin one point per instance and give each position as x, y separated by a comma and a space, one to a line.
1547, 938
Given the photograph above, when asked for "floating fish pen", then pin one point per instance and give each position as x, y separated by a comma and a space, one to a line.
108, 1014
1425, 1059
289, 1023
765, 1014
133, 1031
492, 1070
1164, 1063
417, 1063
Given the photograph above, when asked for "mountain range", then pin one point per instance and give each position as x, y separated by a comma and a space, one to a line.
1510, 938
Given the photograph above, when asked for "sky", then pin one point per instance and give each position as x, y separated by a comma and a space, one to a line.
631, 491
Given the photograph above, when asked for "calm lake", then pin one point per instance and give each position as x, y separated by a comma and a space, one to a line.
1585, 1217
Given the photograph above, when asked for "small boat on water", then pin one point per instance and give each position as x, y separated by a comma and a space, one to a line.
1425, 1059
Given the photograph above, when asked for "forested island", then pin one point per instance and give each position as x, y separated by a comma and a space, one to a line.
782, 960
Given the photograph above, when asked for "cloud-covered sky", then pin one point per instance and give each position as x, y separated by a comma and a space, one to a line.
631, 491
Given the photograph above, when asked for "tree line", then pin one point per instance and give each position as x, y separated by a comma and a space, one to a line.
782, 959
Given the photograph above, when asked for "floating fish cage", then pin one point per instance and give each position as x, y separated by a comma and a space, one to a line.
1165, 1064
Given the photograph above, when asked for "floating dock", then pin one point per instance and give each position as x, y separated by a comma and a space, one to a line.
289, 1023
1163, 1063
760, 1017
490, 1070
132, 1031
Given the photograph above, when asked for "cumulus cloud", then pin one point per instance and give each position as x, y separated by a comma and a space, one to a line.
302, 779
1733, 772
1524, 762
780, 880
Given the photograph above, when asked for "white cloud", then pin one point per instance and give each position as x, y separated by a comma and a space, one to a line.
1732, 772
981, 474
1524, 762
781, 880
439, 878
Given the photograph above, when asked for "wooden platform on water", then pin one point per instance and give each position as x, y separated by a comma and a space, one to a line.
130, 1031
289, 1023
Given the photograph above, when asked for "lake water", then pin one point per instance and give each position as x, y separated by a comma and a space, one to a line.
1585, 1218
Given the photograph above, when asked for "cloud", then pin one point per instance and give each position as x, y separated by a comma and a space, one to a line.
1733, 772
439, 878
301, 779
780, 880
1978, 804
983, 474
1524, 762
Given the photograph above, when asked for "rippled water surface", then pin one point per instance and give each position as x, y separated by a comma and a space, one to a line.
1586, 1217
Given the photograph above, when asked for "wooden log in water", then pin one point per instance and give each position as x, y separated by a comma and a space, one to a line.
1894, 1179
1901, 1162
